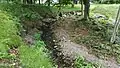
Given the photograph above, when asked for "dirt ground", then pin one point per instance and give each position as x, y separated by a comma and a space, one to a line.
65, 30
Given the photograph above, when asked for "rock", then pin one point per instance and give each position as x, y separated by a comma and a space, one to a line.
55, 46
29, 39
54, 41
33, 31
78, 13
49, 20
97, 15
64, 15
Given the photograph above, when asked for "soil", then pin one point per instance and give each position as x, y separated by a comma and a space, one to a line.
57, 36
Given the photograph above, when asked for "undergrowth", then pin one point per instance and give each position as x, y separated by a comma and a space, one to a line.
30, 12
105, 9
9, 38
10, 16
36, 56
98, 38
80, 62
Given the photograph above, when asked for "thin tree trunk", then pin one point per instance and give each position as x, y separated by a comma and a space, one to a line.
113, 38
34, 1
86, 9
48, 2
39, 1
30, 1
7, 1
27, 1
81, 7
24, 1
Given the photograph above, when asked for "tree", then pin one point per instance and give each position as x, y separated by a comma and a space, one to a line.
86, 8
81, 2
39, 1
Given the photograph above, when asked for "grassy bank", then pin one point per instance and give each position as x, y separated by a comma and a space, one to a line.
27, 57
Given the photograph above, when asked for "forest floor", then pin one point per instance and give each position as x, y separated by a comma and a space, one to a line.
65, 32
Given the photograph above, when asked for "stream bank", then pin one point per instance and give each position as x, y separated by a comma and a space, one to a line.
64, 51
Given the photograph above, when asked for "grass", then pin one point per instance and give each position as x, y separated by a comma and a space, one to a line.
30, 12
34, 58
80, 62
9, 38
108, 10
9, 33
69, 8
98, 39
30, 57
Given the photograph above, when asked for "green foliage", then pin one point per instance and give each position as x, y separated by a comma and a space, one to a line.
30, 12
9, 30
19, 11
37, 36
105, 10
35, 57
81, 63
107, 1
6, 56
39, 43
9, 37
68, 8
98, 39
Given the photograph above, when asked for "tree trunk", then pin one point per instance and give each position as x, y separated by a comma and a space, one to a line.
24, 1
7, 1
30, 1
48, 2
34, 1
86, 9
81, 1
39, 1
73, 4
117, 22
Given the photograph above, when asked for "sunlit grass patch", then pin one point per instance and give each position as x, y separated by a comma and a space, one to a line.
32, 57
109, 10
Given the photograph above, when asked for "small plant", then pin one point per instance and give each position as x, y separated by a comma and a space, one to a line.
81, 63
39, 44
37, 36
